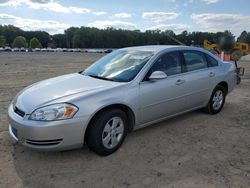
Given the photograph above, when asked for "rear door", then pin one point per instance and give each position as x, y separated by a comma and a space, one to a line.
197, 78
213, 72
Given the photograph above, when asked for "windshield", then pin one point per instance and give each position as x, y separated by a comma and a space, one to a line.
120, 66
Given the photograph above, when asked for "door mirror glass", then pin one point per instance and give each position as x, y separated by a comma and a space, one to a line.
157, 75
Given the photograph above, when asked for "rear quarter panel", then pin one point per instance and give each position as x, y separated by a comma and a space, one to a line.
230, 76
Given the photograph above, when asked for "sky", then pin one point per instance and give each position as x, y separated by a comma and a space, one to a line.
54, 16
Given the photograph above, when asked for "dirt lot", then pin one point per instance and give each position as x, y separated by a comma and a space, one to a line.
193, 150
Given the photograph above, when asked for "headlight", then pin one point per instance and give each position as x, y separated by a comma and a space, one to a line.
54, 112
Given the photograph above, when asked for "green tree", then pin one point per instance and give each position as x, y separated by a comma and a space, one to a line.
86, 37
242, 37
69, 34
52, 45
19, 42
248, 38
2, 41
11, 32
35, 43
59, 40
227, 41
42, 36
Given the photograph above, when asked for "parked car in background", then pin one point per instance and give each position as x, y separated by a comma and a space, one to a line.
15, 50
7, 49
125, 90
36, 50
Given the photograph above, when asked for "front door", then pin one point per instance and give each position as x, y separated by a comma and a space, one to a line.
165, 97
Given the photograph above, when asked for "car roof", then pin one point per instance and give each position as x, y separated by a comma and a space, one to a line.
158, 48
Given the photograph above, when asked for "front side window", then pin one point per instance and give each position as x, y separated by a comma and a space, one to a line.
194, 60
169, 63
120, 66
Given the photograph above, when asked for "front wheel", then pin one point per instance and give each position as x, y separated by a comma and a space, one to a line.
107, 131
217, 100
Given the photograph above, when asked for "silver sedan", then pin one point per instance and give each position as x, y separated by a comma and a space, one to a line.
127, 89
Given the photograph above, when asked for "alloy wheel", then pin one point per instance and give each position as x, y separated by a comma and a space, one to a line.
113, 132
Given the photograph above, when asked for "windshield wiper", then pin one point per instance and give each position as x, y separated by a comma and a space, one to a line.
102, 78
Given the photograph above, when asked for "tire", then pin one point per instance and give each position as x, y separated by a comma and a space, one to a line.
102, 137
216, 101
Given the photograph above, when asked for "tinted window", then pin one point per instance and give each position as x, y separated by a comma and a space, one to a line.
194, 60
211, 61
170, 63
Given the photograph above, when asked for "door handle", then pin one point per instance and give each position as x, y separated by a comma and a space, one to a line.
179, 82
211, 74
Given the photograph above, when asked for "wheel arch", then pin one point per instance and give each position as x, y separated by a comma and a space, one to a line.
224, 84
125, 108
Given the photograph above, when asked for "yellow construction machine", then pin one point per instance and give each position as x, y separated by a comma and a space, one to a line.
214, 48
239, 47
239, 50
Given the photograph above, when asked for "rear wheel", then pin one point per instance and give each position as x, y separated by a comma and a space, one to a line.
217, 100
107, 131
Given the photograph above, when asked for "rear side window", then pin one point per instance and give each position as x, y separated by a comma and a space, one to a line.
194, 60
211, 61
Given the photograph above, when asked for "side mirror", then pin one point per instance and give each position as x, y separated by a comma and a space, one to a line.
157, 75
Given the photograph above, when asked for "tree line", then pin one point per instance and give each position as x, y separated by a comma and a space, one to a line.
86, 37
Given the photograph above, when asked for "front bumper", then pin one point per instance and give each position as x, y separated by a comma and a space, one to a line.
47, 136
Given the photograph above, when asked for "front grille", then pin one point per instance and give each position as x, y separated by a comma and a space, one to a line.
44, 142
19, 112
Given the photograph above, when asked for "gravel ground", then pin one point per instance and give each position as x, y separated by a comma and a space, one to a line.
192, 150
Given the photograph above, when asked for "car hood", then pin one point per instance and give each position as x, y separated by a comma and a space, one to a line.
49, 91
